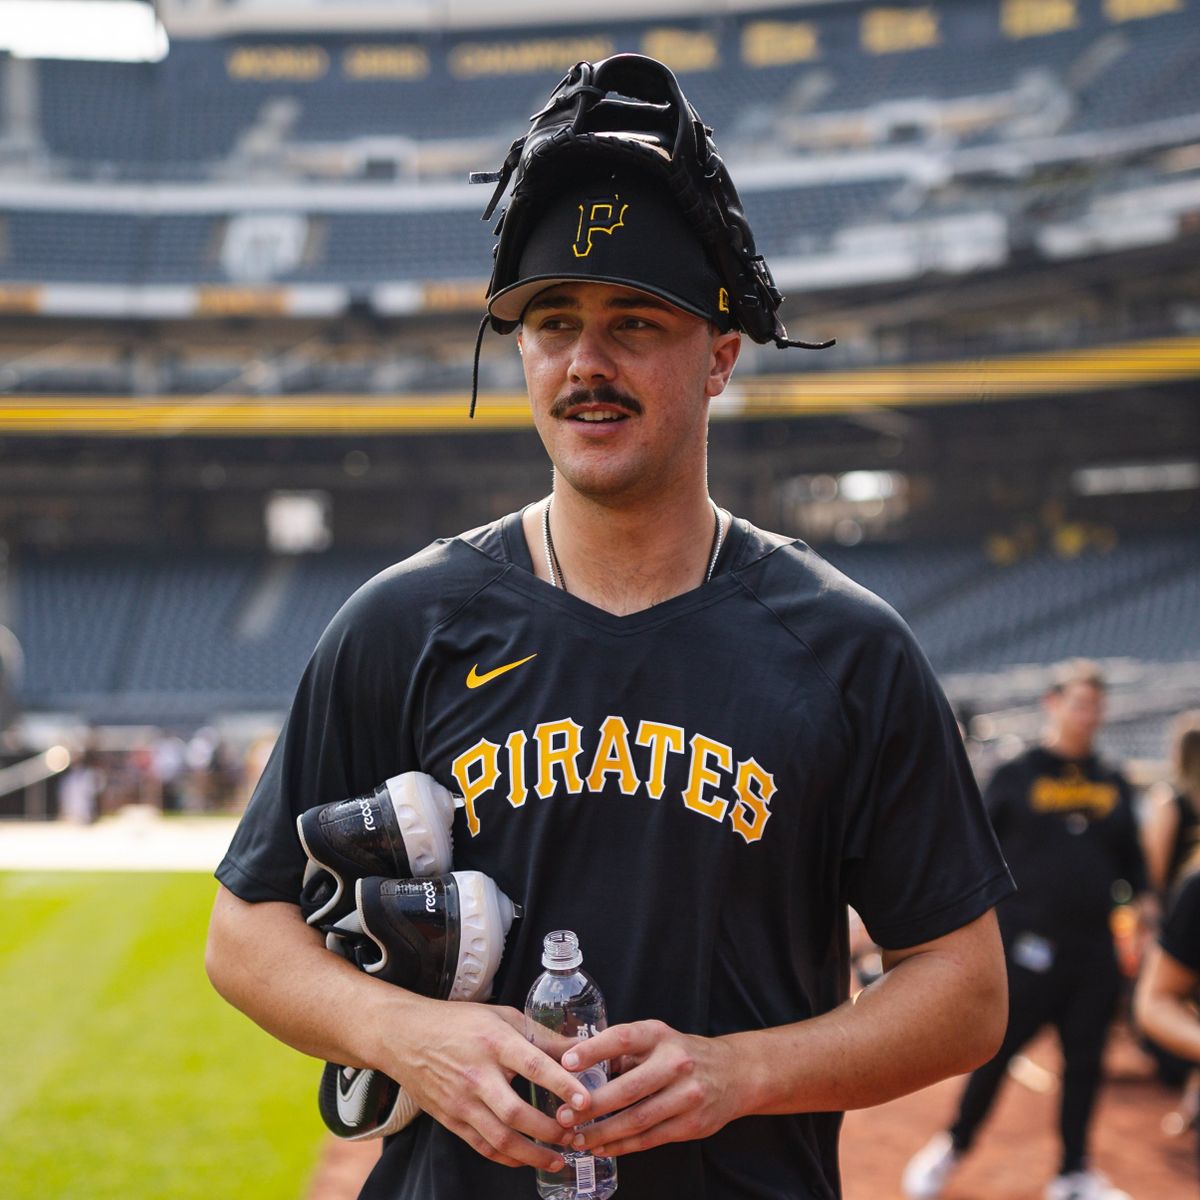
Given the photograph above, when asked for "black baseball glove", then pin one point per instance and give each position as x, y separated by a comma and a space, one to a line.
628, 110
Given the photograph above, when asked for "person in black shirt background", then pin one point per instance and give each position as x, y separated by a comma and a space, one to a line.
1171, 838
1066, 824
1172, 830
1165, 1004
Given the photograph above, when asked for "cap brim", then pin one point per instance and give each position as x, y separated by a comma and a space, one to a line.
510, 303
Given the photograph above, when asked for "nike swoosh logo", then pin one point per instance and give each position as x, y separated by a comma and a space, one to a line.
352, 1097
474, 679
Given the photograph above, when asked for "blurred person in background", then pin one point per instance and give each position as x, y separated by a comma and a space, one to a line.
1171, 837
199, 763
81, 786
170, 760
1172, 829
1065, 821
1169, 988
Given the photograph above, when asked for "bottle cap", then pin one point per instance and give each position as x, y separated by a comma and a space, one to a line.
560, 951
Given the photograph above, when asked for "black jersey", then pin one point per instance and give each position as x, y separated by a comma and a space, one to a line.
1068, 830
697, 789
1186, 839
1180, 936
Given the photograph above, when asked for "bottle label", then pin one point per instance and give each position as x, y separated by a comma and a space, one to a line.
585, 1175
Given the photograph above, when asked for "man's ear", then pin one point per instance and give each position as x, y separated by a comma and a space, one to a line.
725, 350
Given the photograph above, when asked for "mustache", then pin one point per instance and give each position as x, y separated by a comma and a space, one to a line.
604, 394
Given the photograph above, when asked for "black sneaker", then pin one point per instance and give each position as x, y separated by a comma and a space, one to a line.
401, 830
440, 937
357, 1105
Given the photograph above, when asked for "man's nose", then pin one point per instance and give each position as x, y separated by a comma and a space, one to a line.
591, 361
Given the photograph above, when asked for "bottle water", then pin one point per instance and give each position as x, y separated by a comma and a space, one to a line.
563, 1007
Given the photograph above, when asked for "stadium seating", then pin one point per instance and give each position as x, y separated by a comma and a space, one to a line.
913, 579
195, 116
72, 246
1045, 608
364, 248
1155, 76
177, 118
182, 635
73, 618
166, 637
98, 116
1151, 617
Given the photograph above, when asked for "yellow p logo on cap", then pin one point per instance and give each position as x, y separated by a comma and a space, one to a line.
596, 216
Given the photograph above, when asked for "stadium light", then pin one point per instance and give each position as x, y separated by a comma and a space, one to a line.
859, 486
57, 759
298, 522
100, 30
1117, 479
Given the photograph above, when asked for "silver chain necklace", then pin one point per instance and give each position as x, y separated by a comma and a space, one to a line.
554, 568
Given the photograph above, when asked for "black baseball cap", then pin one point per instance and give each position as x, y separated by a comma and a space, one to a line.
621, 228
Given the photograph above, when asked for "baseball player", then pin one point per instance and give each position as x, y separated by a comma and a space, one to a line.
1066, 823
689, 740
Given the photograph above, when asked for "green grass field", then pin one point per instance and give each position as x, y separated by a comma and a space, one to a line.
125, 1075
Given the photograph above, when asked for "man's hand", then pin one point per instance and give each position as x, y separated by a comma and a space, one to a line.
673, 1087
458, 1060
892, 1039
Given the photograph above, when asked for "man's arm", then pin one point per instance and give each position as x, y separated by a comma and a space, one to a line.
939, 1009
456, 1059
1164, 1007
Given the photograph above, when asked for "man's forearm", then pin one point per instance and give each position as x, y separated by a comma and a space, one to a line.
264, 960
1163, 1005
1171, 1023
935, 1013
940, 1009
455, 1059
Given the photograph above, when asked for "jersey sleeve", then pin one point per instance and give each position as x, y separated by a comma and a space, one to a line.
343, 736
1180, 936
921, 859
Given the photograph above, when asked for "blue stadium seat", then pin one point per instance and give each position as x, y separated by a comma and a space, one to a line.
140, 634
363, 249
177, 118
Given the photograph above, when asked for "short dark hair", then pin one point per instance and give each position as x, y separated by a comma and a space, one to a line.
1078, 670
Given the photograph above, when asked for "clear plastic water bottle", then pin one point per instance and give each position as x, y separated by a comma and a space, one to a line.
563, 1007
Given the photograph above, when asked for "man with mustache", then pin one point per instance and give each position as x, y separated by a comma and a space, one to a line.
689, 740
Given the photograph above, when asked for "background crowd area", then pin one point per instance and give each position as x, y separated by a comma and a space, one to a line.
165, 771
